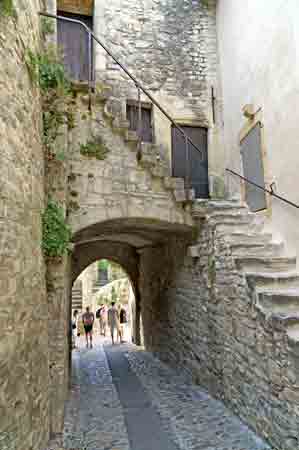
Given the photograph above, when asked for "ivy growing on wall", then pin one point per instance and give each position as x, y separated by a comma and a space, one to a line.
7, 8
47, 71
56, 233
47, 26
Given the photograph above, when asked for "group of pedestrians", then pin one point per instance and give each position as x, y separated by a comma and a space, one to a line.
115, 318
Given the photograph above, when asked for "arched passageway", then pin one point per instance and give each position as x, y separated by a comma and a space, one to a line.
148, 251
97, 286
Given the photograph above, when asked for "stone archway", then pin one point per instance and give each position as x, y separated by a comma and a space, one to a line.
124, 241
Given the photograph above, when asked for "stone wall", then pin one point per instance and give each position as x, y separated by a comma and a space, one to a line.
202, 316
259, 40
171, 47
59, 301
24, 368
114, 186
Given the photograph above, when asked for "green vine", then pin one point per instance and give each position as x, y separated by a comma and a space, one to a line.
56, 232
94, 149
47, 71
47, 26
7, 8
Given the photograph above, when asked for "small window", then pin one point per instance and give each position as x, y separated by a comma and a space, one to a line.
146, 120
253, 169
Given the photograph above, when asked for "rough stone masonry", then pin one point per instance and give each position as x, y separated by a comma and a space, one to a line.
24, 363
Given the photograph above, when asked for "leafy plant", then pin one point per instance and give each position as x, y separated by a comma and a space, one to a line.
7, 8
94, 149
47, 25
56, 233
103, 264
47, 70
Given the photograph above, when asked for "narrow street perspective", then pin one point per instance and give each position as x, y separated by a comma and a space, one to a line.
123, 398
149, 238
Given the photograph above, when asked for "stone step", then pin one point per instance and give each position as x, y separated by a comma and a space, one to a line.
236, 218
218, 204
173, 183
289, 322
279, 301
279, 280
244, 238
183, 195
273, 249
120, 124
228, 227
266, 265
209, 211
131, 136
76, 295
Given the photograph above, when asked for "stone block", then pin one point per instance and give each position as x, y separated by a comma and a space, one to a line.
180, 195
194, 251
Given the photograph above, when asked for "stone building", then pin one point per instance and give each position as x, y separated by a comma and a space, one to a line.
257, 48
214, 290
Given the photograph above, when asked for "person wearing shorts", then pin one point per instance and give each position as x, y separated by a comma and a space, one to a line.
88, 320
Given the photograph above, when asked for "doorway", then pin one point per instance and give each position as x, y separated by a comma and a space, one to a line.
199, 175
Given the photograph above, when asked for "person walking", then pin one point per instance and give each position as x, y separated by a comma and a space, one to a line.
113, 321
88, 320
103, 320
75, 327
122, 322
101, 314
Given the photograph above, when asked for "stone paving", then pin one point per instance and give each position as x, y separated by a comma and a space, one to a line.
194, 419
100, 415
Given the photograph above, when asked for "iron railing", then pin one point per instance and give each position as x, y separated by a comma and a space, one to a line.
139, 88
269, 191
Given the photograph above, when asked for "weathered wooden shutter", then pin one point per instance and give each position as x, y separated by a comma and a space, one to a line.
146, 121
73, 43
251, 153
199, 177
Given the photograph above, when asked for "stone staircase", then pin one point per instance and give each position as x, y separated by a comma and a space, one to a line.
151, 156
271, 276
77, 295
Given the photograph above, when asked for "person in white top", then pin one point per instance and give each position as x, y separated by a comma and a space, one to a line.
113, 321
75, 327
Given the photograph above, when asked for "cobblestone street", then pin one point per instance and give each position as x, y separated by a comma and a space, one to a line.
123, 398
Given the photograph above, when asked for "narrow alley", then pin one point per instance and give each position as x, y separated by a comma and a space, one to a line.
123, 398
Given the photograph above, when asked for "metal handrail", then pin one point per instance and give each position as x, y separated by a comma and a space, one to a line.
269, 191
136, 82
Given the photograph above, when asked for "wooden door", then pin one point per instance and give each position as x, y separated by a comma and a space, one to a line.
73, 42
199, 176
146, 121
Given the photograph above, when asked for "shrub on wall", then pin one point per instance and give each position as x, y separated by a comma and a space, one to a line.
56, 232
46, 69
7, 8
95, 148
48, 72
